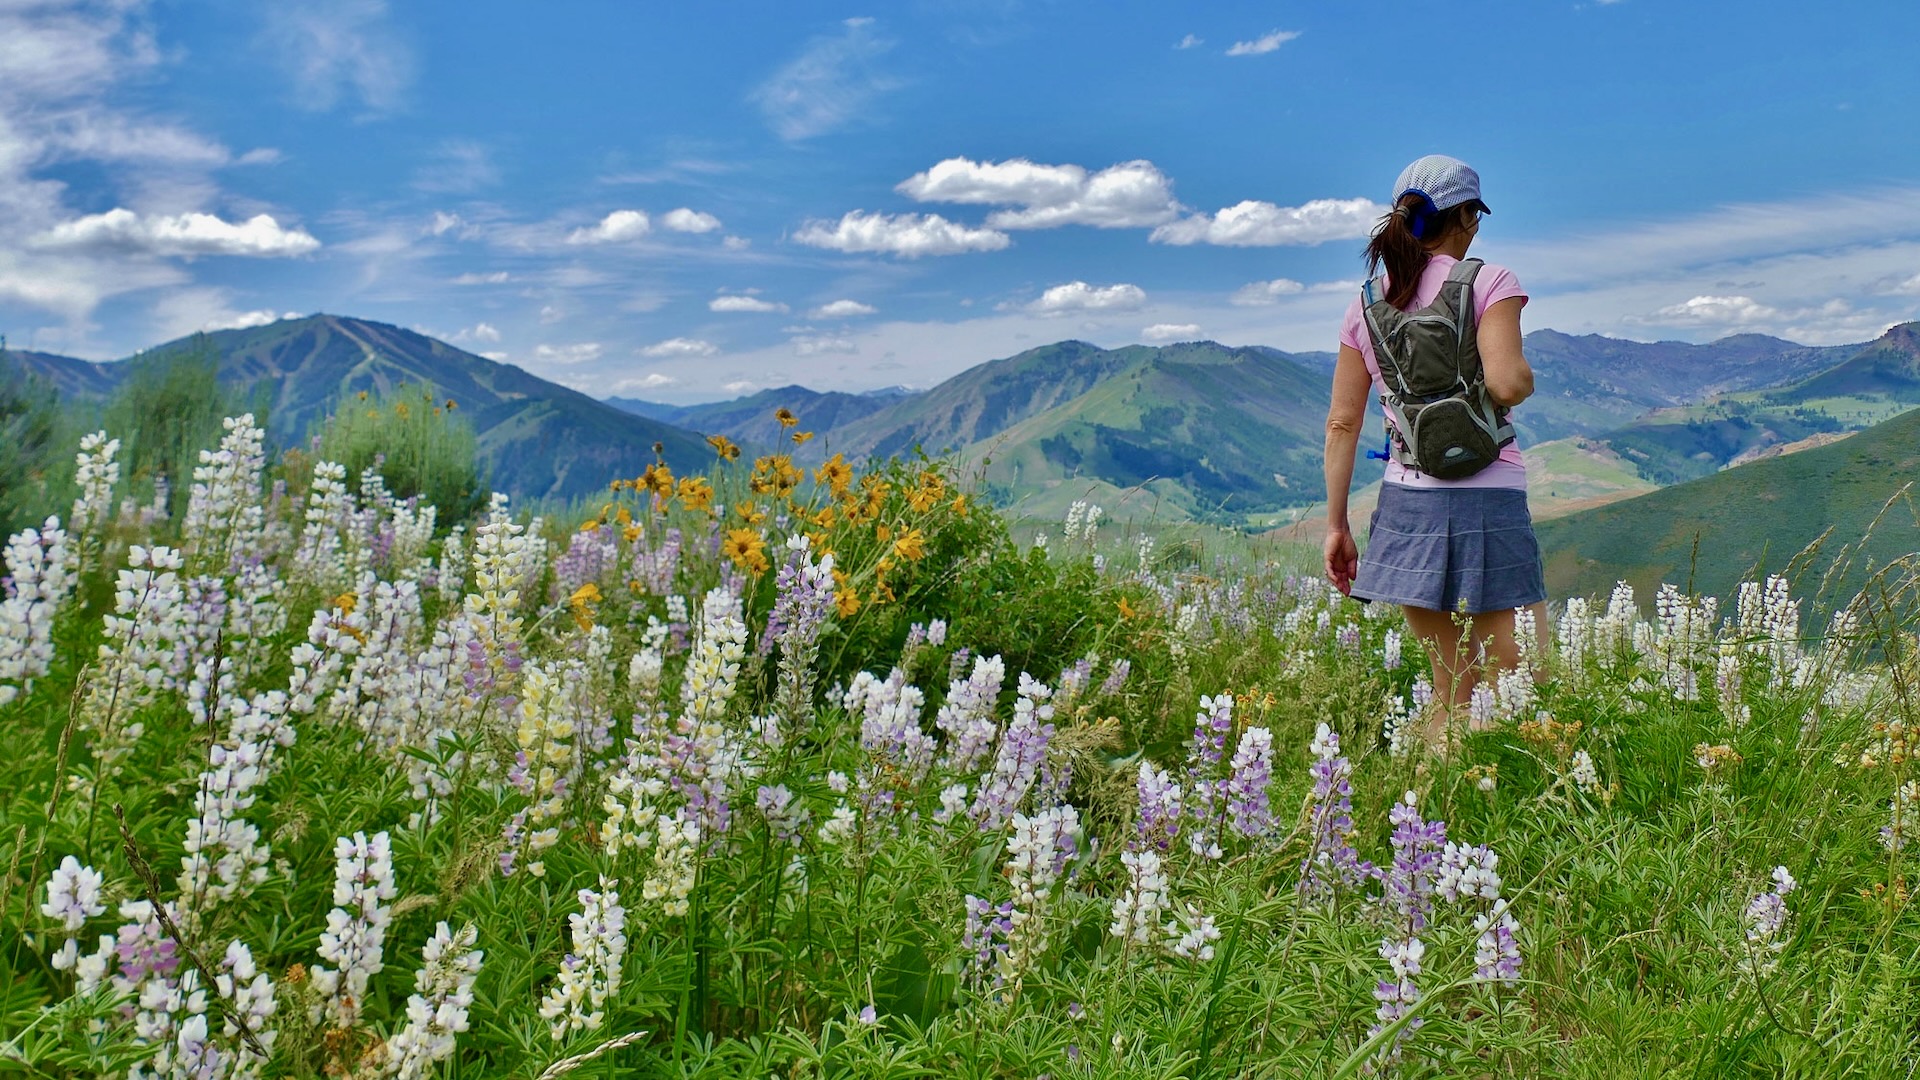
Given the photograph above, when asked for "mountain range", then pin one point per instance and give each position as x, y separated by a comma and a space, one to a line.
539, 439
1188, 430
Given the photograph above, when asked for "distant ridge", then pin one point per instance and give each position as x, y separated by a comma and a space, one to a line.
539, 438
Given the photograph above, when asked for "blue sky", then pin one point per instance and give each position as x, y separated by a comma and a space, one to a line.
686, 202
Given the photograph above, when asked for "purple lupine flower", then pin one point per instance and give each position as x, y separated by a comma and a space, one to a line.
1017, 764
1249, 807
655, 568
1074, 680
803, 599
1398, 994
1331, 861
1409, 882
1158, 823
785, 816
967, 716
1116, 679
1496, 954
588, 557
957, 663
1205, 752
898, 751
987, 930
1348, 638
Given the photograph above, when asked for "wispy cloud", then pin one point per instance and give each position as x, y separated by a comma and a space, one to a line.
906, 235
680, 346
1265, 43
689, 221
1130, 194
578, 353
340, 50
831, 84
737, 304
457, 167
1262, 293
842, 309
1190, 41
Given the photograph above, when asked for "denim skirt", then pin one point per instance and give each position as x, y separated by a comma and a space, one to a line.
1451, 549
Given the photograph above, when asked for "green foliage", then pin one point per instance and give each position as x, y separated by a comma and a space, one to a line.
420, 444
30, 458
165, 411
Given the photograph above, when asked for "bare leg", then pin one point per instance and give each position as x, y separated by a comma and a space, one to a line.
1461, 650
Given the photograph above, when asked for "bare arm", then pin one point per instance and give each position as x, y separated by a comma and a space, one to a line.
1509, 378
1351, 387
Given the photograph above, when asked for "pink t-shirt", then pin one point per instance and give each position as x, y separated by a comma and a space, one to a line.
1494, 284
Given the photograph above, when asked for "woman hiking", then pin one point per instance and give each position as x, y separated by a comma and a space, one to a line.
1435, 337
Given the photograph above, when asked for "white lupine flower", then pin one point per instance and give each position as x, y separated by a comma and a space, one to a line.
675, 863
966, 718
39, 566
590, 974
96, 472
225, 520
1192, 934
437, 1009
356, 930
1136, 914
73, 897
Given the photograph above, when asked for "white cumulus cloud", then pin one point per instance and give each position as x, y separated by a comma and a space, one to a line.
906, 235
578, 353
748, 304
1265, 43
617, 227
736, 243
1130, 194
1171, 332
121, 229
652, 380
740, 386
248, 319
478, 332
680, 346
1258, 293
1076, 296
689, 221
842, 309
1720, 311
1262, 224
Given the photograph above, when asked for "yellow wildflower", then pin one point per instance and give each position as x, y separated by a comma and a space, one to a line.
835, 473
1126, 610
960, 505
911, 546
824, 519
750, 512
882, 533
581, 602
346, 602
846, 602
747, 549
696, 493
724, 447
800, 437
785, 416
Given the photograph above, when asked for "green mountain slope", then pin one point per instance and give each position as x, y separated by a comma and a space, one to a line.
1218, 431
539, 439
1866, 385
1746, 520
750, 420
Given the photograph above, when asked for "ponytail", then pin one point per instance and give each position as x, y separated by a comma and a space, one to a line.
1400, 243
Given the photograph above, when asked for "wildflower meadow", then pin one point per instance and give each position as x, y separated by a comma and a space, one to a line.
772, 771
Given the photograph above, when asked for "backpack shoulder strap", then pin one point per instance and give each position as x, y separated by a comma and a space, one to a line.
1465, 271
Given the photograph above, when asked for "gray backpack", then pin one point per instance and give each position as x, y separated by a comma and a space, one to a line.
1444, 423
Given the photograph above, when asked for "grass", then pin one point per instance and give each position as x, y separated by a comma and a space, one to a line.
1638, 797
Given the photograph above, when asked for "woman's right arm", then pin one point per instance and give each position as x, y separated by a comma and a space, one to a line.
1346, 414
1509, 377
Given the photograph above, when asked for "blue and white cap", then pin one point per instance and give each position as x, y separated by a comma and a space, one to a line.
1444, 181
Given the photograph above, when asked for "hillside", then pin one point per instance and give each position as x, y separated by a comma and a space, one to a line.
749, 420
1746, 520
1865, 385
539, 439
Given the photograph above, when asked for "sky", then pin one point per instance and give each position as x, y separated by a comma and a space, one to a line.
686, 202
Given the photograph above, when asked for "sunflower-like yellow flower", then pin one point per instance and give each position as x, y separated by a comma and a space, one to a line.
1126, 610
835, 473
346, 602
883, 532
696, 494
960, 505
747, 549
800, 438
724, 447
911, 546
786, 417
581, 603
845, 602
658, 479
824, 519
750, 512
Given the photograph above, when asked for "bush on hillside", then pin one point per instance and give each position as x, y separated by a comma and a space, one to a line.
166, 411
29, 454
419, 444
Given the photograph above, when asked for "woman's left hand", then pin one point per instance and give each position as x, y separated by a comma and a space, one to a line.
1342, 559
